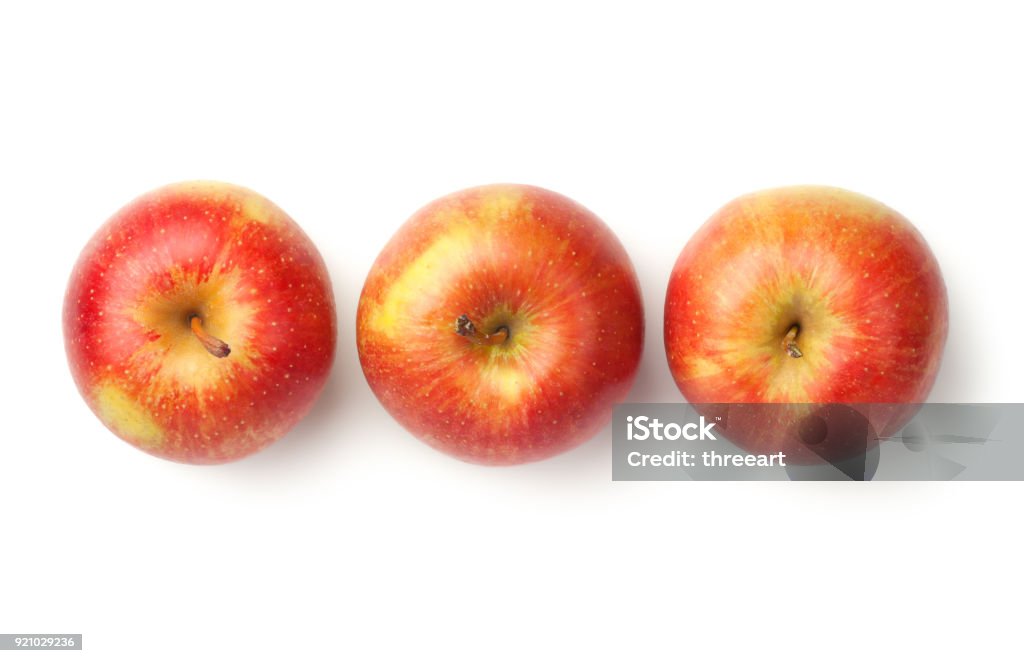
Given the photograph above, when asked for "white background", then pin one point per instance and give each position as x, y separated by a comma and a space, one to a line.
351, 540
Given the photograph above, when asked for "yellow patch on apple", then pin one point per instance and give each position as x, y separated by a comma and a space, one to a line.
128, 419
464, 245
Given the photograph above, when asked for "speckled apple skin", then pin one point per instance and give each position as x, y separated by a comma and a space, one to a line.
504, 255
235, 259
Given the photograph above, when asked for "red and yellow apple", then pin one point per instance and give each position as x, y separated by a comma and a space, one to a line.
501, 323
199, 323
806, 295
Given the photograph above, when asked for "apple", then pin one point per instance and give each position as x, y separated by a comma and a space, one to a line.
806, 295
199, 323
500, 324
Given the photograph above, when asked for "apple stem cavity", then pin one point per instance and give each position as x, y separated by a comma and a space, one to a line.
789, 342
213, 345
464, 327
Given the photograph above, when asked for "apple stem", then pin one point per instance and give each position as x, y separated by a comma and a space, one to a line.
213, 345
465, 327
789, 342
